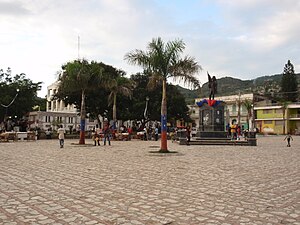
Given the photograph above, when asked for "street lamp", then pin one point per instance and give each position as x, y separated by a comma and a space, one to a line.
146, 108
12, 101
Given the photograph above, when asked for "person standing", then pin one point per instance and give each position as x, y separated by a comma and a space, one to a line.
61, 136
129, 130
288, 137
96, 138
156, 133
188, 135
233, 130
106, 134
145, 133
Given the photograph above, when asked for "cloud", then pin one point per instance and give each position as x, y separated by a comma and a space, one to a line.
243, 39
12, 8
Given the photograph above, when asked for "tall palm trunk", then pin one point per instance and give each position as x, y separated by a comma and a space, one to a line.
164, 147
82, 119
283, 118
115, 110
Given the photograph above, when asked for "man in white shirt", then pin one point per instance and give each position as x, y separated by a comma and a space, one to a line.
61, 136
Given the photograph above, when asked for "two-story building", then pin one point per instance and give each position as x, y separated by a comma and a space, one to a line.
57, 113
278, 118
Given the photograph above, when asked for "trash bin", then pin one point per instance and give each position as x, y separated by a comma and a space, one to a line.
252, 141
181, 135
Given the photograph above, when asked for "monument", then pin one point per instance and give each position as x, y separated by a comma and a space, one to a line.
211, 114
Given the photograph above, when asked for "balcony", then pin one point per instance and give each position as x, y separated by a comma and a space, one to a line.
294, 116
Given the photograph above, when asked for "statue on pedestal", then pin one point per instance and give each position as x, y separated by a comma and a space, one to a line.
212, 84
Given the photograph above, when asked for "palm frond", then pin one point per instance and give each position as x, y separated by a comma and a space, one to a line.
154, 80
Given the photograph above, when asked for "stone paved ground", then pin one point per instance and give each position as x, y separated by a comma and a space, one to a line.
126, 184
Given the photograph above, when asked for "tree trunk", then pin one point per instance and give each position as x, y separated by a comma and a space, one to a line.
164, 147
283, 115
82, 119
115, 110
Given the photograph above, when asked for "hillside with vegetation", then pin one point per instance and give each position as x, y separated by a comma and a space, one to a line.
232, 86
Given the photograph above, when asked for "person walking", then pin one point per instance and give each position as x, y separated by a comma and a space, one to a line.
61, 136
106, 132
288, 137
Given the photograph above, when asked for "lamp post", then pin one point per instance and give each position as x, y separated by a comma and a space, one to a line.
12, 101
146, 108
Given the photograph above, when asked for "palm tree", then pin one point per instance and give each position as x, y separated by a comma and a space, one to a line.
284, 105
248, 105
80, 76
162, 61
118, 85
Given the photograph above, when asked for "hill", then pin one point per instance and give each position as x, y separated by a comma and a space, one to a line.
231, 86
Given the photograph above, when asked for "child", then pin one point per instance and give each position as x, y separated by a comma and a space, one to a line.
288, 137
96, 138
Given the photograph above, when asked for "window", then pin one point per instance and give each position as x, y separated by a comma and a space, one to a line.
49, 106
278, 123
267, 111
278, 111
268, 122
234, 108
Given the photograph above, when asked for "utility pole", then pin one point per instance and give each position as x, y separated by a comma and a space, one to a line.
239, 109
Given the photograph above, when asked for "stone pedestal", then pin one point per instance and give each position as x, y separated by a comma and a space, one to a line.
212, 119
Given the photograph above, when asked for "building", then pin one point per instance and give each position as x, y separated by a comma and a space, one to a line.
277, 118
57, 113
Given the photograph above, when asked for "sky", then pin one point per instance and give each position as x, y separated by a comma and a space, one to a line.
244, 39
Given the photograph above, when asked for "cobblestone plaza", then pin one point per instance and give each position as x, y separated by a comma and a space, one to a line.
128, 183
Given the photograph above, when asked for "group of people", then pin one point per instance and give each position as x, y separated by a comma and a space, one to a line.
105, 133
150, 132
234, 131
96, 136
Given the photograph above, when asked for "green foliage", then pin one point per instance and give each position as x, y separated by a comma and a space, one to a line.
176, 104
162, 61
118, 86
80, 75
189, 95
25, 99
289, 84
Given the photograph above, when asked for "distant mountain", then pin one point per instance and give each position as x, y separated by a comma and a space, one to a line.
189, 95
231, 86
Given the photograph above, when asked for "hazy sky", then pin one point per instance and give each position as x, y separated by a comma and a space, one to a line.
239, 38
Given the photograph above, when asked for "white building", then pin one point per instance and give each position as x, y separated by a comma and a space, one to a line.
57, 113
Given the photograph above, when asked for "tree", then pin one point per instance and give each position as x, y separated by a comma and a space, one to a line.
289, 85
140, 93
25, 99
162, 61
119, 85
249, 107
177, 108
284, 105
80, 76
